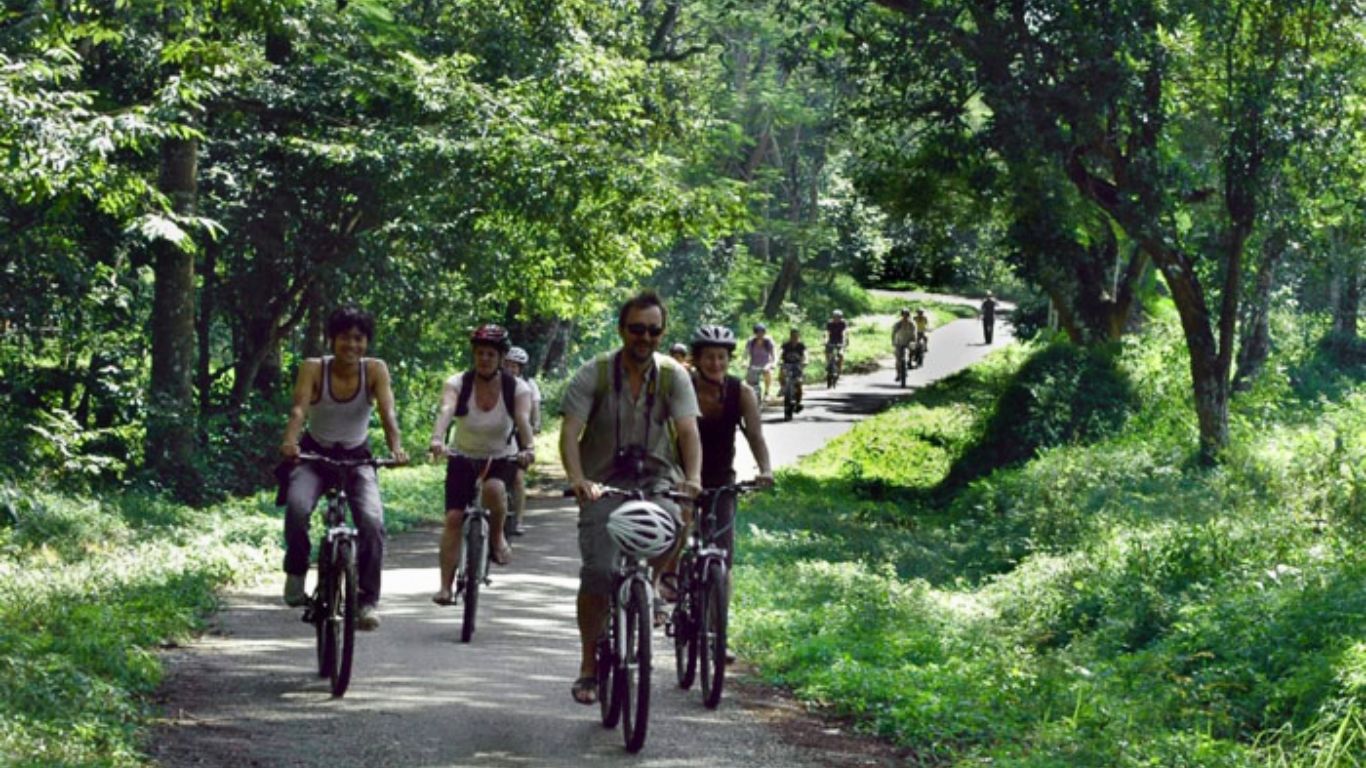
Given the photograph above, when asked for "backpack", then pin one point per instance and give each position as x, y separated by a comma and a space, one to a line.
509, 384
665, 385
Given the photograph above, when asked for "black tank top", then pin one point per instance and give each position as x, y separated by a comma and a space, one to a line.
718, 434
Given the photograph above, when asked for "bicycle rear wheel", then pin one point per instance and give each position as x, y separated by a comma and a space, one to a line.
635, 684
476, 550
609, 703
712, 632
343, 616
685, 629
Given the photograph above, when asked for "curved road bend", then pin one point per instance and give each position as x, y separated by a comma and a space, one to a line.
245, 694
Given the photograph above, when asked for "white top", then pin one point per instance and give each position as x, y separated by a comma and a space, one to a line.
340, 423
481, 434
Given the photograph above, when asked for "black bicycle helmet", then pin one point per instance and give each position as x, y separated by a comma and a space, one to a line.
760, 327
493, 335
713, 336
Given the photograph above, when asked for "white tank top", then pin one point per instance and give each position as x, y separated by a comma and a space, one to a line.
340, 423
481, 434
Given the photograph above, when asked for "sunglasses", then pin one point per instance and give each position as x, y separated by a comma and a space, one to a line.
640, 329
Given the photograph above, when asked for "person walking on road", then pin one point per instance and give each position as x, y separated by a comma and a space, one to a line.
988, 316
630, 420
760, 356
336, 395
491, 409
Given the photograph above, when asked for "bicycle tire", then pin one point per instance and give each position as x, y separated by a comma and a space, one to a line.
345, 592
609, 704
635, 685
712, 633
322, 608
788, 403
476, 546
685, 634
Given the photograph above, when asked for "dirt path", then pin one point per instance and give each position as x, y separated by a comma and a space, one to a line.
245, 694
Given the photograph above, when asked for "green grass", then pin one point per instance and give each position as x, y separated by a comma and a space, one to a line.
90, 587
1109, 603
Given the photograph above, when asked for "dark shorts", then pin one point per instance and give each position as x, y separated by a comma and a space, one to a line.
462, 471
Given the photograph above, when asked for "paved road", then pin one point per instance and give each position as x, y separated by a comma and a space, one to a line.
244, 695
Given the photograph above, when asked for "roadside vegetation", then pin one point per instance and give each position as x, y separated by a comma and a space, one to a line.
91, 586
1101, 598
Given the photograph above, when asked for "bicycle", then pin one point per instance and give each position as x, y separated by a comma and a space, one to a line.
472, 573
698, 624
754, 376
902, 352
918, 350
332, 609
834, 359
792, 397
623, 651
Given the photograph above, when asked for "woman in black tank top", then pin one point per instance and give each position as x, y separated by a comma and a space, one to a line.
726, 404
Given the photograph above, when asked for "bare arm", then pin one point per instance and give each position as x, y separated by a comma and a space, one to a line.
570, 428
388, 417
521, 419
754, 433
444, 413
305, 384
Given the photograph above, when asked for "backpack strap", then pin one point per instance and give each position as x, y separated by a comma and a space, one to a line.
462, 400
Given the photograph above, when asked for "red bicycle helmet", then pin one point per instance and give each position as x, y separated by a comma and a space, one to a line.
493, 335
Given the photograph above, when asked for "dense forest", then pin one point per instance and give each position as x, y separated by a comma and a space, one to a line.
1170, 188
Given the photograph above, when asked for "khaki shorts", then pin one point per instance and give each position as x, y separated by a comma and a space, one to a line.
597, 551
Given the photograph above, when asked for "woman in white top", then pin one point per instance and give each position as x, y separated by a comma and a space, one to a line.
487, 429
515, 363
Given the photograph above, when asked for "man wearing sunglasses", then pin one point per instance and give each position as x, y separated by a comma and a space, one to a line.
630, 420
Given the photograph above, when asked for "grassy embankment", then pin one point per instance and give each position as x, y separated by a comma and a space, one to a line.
89, 589
1107, 602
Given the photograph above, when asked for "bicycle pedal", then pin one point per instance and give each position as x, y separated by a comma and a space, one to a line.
308, 615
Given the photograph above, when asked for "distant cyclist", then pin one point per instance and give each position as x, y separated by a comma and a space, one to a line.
492, 412
835, 338
904, 334
515, 363
794, 362
336, 395
988, 316
760, 353
679, 352
922, 328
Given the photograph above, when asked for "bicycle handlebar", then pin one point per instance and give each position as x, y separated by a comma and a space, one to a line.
625, 493
350, 463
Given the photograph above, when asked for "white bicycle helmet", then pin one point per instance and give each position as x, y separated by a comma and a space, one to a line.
518, 355
642, 528
713, 336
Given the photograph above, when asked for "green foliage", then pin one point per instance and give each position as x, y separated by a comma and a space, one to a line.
91, 586
1108, 603
1063, 394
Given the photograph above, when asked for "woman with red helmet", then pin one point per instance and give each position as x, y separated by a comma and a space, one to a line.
492, 411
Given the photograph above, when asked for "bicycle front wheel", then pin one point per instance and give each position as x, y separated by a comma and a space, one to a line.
609, 703
476, 551
322, 608
712, 632
343, 616
635, 686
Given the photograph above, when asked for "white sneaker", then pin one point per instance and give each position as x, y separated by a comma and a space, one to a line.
368, 618
294, 590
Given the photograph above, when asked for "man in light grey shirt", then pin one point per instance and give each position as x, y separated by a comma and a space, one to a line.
630, 420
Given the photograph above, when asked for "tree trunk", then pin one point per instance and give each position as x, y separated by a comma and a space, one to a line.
1347, 304
171, 408
314, 343
1255, 345
787, 277
204, 326
557, 348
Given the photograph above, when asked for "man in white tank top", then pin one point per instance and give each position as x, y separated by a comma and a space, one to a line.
489, 433
335, 394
